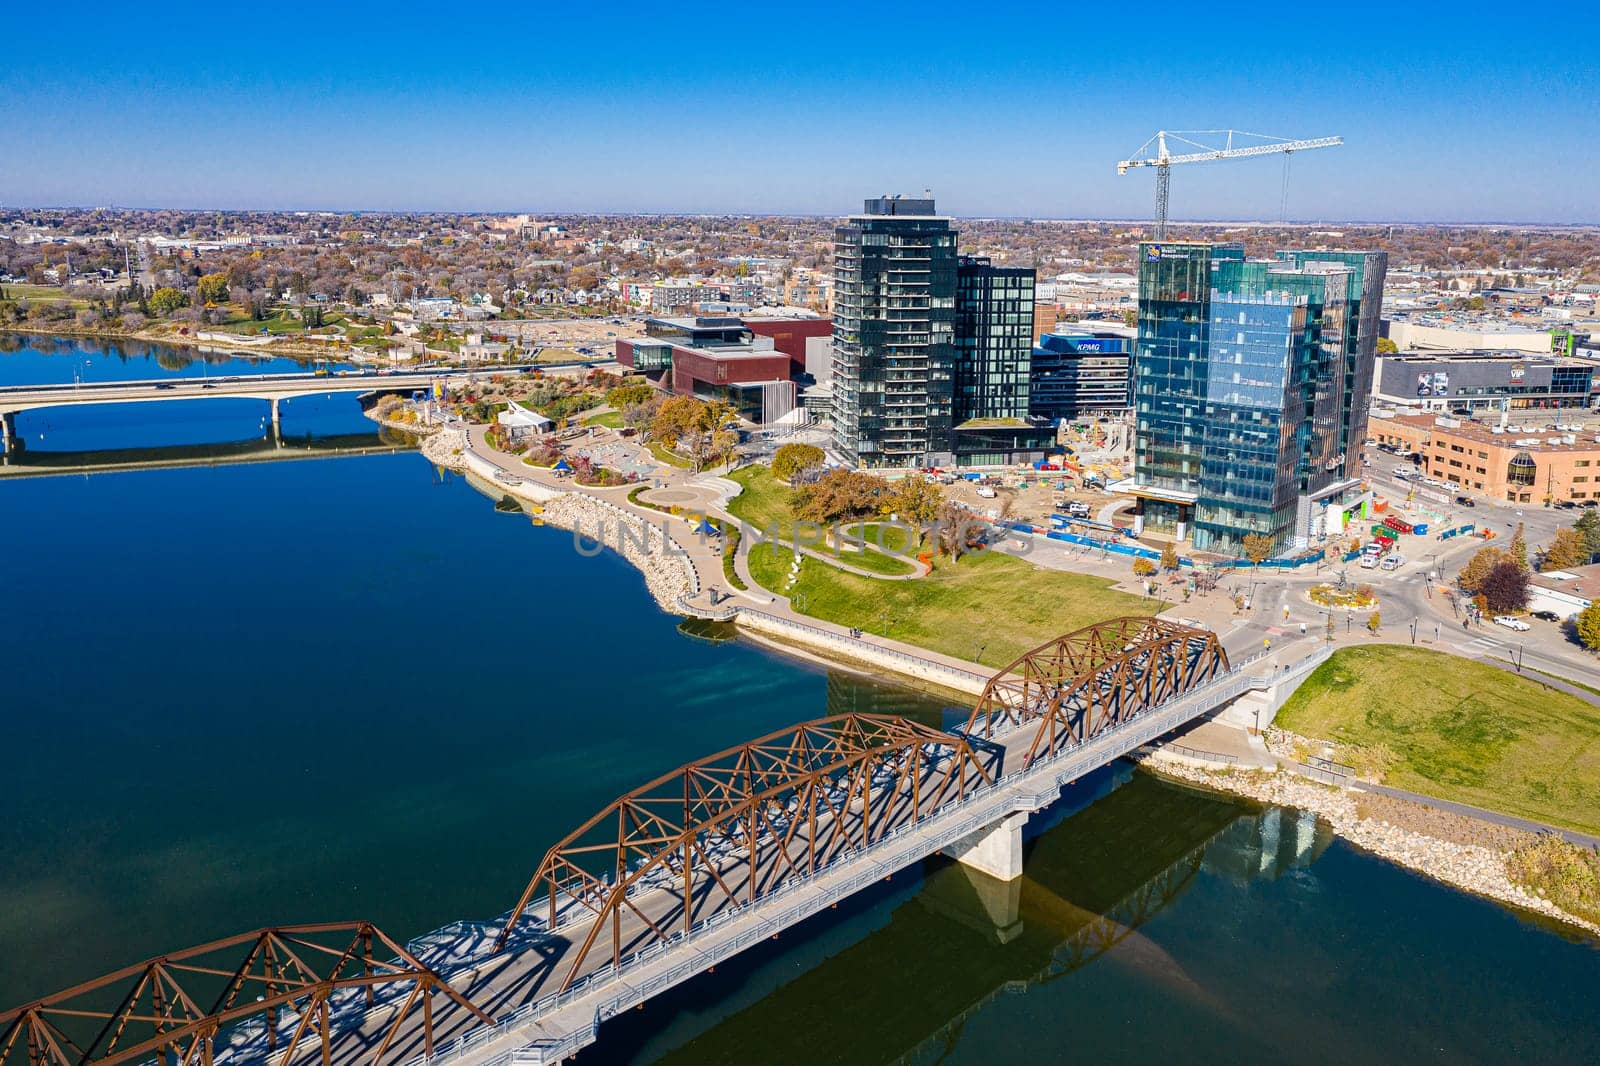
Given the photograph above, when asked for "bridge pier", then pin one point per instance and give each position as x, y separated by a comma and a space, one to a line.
8, 431
996, 850
277, 421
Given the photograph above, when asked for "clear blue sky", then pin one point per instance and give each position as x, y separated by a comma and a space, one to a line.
1460, 112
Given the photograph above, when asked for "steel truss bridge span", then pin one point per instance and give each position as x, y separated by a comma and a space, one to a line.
276, 991
688, 870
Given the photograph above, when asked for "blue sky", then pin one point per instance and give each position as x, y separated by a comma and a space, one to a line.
1460, 112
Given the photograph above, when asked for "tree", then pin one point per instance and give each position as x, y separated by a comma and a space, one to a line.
166, 300
1374, 621
624, 395
1588, 626
791, 459
1567, 549
675, 417
1257, 547
1477, 569
1519, 547
213, 288
1143, 567
1506, 588
1169, 557
917, 500
1588, 524
1387, 346
839, 495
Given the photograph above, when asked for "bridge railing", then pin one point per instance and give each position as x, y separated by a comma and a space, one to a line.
877, 649
805, 894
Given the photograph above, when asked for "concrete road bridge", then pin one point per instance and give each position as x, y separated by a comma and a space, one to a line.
272, 388
665, 882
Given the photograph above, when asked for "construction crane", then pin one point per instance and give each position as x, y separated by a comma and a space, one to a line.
1163, 160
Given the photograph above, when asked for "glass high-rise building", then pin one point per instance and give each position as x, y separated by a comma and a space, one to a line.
894, 312
1250, 384
931, 352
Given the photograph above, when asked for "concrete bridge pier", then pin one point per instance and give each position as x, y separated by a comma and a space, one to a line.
8, 431
996, 850
277, 421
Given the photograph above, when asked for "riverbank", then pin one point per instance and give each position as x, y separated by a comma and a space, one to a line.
1458, 851
290, 349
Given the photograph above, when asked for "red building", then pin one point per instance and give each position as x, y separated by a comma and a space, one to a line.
750, 363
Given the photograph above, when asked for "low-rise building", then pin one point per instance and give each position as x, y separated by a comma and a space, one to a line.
1470, 381
1564, 593
522, 424
724, 358
1518, 466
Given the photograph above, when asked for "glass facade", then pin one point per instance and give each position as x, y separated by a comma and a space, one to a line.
1073, 376
994, 340
1243, 377
894, 333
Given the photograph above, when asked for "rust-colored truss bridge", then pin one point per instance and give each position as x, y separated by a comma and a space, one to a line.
290, 981
650, 869
1093, 679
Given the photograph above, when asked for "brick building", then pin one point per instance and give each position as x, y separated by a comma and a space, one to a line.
1515, 465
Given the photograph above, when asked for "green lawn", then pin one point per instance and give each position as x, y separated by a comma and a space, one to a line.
764, 503
668, 457
999, 602
875, 561
1459, 730
609, 419
21, 290
894, 538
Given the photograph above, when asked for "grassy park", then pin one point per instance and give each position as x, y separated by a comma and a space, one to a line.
1458, 730
987, 601
608, 419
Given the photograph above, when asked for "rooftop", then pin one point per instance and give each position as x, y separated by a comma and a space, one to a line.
1513, 437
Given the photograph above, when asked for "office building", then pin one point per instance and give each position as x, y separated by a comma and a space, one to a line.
1251, 383
1502, 463
1081, 375
930, 352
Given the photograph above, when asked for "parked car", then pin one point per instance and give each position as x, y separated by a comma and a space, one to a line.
1392, 562
1465, 501
1369, 561
1511, 623
1546, 616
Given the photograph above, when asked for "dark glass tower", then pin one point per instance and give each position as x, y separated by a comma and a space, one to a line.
894, 333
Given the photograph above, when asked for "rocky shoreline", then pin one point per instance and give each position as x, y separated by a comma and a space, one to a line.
666, 575
1368, 821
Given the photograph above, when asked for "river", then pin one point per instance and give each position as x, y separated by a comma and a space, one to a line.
301, 691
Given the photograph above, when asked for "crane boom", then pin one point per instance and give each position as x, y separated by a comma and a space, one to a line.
1163, 160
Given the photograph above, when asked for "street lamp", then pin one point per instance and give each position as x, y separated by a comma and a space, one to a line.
1414, 622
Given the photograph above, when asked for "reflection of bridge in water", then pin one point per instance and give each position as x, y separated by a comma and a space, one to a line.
687, 872
269, 449
904, 991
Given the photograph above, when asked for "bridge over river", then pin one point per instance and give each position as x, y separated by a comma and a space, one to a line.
666, 882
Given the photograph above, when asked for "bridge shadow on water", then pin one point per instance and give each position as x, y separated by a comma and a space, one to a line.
895, 974
37, 462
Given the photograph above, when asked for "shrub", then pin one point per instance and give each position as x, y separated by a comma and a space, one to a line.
1375, 621
1563, 873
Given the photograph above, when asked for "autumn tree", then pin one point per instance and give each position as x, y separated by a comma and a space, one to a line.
1374, 621
792, 459
213, 288
841, 494
676, 416
166, 300
1169, 556
1477, 569
1257, 547
1505, 588
1387, 346
1143, 567
1588, 626
917, 500
625, 395
1567, 549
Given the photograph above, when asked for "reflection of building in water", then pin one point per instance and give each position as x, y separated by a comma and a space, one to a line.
1268, 845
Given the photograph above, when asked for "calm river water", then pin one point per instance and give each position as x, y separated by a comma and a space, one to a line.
331, 688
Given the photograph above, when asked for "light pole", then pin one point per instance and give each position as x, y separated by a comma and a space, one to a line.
1414, 622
